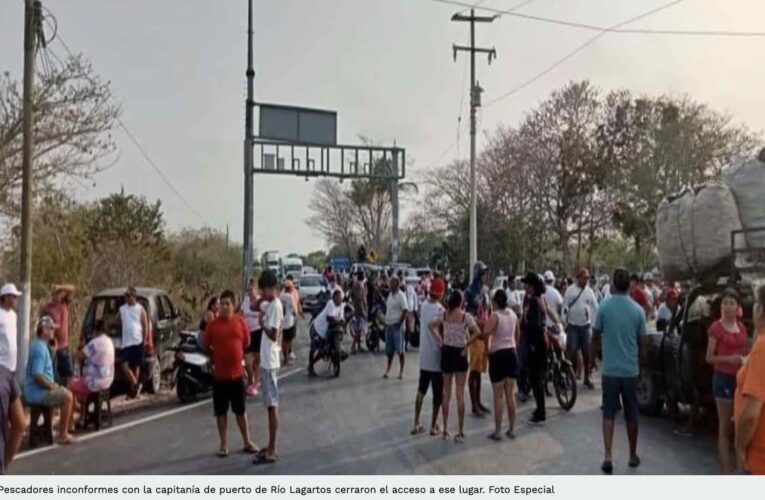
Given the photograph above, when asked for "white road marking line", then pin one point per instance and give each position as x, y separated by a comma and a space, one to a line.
141, 421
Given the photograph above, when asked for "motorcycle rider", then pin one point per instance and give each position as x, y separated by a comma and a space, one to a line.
323, 327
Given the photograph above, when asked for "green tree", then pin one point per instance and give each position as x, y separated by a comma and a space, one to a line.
205, 265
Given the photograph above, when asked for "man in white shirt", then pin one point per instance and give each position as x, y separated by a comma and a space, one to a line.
270, 360
252, 312
514, 296
649, 294
395, 315
413, 304
430, 359
9, 301
332, 313
579, 310
289, 324
667, 310
136, 328
553, 300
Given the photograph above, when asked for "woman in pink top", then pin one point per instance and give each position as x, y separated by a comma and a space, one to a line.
725, 350
455, 330
503, 332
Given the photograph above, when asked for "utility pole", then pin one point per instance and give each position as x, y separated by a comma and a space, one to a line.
475, 102
249, 134
32, 28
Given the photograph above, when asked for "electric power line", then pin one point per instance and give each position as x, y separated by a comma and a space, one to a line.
464, 74
592, 27
130, 134
578, 49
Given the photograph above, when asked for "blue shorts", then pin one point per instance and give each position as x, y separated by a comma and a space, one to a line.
616, 389
723, 385
578, 338
394, 339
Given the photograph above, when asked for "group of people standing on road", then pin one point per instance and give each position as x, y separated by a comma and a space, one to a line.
253, 337
461, 337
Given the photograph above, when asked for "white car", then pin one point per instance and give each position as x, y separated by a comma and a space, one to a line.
309, 288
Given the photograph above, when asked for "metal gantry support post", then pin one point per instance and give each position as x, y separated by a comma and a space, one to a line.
395, 246
475, 102
249, 134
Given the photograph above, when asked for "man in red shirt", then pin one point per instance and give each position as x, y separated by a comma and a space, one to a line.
58, 309
225, 339
638, 295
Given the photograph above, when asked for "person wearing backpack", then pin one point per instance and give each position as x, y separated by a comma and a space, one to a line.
579, 307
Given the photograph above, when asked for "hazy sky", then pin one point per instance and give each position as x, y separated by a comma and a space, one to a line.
386, 66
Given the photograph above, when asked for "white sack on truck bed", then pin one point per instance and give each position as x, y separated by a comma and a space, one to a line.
693, 230
747, 182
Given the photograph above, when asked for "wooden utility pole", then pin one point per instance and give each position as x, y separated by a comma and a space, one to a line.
32, 24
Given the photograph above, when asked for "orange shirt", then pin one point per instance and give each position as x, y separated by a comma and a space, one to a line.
751, 382
228, 338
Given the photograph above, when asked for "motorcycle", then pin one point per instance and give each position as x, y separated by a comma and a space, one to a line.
330, 349
376, 329
560, 372
192, 372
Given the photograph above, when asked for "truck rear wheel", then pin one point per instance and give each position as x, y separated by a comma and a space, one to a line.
649, 400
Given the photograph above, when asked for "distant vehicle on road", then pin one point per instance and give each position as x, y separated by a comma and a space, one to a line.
292, 266
340, 264
309, 270
271, 260
166, 323
309, 288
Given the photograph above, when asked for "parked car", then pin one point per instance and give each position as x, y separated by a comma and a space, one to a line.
309, 288
166, 326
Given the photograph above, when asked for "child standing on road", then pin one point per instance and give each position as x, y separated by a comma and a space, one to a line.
270, 354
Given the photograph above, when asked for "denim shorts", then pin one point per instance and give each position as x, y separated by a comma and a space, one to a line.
269, 387
616, 389
723, 385
578, 338
394, 339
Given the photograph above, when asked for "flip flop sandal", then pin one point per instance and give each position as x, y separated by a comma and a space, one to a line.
261, 459
634, 462
252, 449
418, 430
510, 434
459, 438
447, 436
494, 437
222, 453
607, 467
435, 432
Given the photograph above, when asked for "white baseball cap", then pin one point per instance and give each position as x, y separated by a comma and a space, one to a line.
549, 276
10, 289
648, 277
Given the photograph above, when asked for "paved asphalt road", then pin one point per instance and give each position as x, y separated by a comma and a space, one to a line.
359, 424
